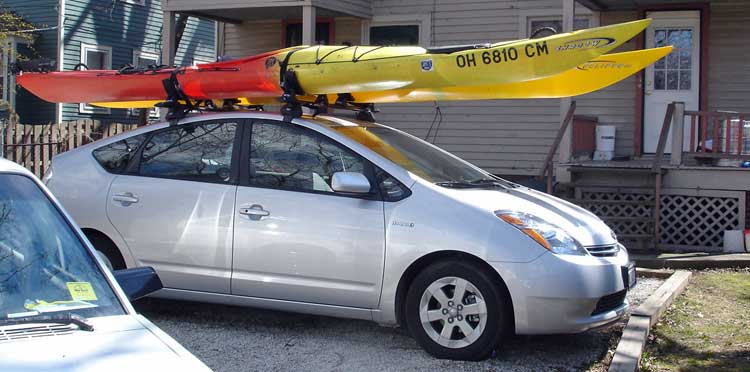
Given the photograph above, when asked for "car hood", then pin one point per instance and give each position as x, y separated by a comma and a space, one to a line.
122, 344
581, 224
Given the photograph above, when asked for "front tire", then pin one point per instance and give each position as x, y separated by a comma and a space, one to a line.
455, 310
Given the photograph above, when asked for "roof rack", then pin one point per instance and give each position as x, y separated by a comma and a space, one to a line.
179, 105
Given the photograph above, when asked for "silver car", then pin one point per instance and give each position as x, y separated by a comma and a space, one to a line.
344, 218
60, 309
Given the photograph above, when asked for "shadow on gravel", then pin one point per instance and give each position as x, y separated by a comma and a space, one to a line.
231, 338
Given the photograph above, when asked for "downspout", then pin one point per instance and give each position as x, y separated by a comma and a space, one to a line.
60, 51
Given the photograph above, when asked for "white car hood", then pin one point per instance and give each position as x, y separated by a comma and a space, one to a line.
125, 346
581, 224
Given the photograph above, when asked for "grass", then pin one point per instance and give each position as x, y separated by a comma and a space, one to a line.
706, 329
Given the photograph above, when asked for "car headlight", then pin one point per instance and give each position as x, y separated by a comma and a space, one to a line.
549, 236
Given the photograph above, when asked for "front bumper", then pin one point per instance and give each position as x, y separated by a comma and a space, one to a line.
559, 294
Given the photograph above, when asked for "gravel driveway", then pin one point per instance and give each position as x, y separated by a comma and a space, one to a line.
231, 338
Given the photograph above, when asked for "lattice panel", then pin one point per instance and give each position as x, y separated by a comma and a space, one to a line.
687, 221
698, 220
615, 207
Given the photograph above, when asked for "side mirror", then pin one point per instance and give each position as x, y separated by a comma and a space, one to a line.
139, 282
350, 182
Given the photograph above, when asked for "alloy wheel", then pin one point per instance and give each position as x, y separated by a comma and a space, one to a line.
453, 312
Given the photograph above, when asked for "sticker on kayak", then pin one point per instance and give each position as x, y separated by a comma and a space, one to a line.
590, 43
594, 65
81, 291
427, 65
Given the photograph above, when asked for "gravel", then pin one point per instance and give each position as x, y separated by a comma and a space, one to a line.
229, 338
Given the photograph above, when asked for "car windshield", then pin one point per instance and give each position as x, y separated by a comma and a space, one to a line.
417, 156
44, 266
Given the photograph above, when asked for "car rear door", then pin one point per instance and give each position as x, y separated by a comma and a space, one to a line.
295, 238
174, 206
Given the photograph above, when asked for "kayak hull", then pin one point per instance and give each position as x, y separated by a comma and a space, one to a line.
588, 77
343, 69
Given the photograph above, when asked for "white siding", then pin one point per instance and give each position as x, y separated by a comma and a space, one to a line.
729, 64
504, 137
252, 37
614, 105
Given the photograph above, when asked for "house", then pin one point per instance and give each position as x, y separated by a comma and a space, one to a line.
100, 35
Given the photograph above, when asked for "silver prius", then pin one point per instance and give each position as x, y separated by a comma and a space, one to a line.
344, 218
60, 309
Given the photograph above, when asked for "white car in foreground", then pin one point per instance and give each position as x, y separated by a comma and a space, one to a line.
60, 309
345, 218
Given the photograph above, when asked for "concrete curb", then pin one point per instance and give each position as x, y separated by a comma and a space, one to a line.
634, 336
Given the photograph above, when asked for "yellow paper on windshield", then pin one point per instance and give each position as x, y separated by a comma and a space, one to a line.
81, 291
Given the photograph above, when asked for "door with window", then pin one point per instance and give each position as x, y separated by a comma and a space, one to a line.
174, 204
675, 77
297, 239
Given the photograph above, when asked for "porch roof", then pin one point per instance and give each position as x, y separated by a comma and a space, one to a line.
233, 11
611, 5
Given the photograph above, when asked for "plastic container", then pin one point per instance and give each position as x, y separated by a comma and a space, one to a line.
605, 138
734, 241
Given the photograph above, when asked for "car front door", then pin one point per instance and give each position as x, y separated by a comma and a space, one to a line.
297, 239
175, 205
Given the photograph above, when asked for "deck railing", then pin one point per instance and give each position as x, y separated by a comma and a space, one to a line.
719, 134
710, 135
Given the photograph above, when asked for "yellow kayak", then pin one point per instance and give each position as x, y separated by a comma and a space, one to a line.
334, 70
585, 78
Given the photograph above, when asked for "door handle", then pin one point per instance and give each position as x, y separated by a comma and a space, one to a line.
255, 212
125, 198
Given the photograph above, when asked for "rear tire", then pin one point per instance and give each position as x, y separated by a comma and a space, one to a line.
450, 325
106, 248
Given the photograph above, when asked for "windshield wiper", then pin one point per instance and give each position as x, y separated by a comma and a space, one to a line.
64, 318
481, 183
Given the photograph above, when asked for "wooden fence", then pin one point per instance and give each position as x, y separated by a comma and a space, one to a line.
33, 146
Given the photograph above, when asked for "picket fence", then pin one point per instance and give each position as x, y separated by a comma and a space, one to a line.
33, 146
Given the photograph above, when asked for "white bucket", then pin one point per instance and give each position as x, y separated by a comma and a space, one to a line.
605, 138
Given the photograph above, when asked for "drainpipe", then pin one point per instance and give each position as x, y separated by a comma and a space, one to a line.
168, 38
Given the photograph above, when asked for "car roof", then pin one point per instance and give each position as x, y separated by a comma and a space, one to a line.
9, 166
329, 121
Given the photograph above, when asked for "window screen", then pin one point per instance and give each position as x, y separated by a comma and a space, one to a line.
394, 35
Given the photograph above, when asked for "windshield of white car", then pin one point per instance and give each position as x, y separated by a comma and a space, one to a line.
421, 158
44, 267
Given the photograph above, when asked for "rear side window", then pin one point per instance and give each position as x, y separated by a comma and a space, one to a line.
195, 153
116, 156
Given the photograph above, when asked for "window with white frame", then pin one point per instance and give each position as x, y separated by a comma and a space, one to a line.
397, 30
95, 57
145, 59
541, 22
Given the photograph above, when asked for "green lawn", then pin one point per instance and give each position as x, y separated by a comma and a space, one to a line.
707, 328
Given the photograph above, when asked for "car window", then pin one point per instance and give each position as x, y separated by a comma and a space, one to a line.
200, 152
291, 157
44, 266
116, 156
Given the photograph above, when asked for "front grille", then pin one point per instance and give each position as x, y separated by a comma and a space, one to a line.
14, 333
610, 302
608, 250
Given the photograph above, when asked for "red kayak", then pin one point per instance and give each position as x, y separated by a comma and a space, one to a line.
247, 77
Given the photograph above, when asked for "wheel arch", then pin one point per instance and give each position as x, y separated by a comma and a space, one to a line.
104, 243
421, 263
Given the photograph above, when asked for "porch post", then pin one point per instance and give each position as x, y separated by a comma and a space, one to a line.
308, 25
678, 129
564, 154
168, 39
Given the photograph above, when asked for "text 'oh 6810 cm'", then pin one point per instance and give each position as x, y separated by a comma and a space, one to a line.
501, 55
